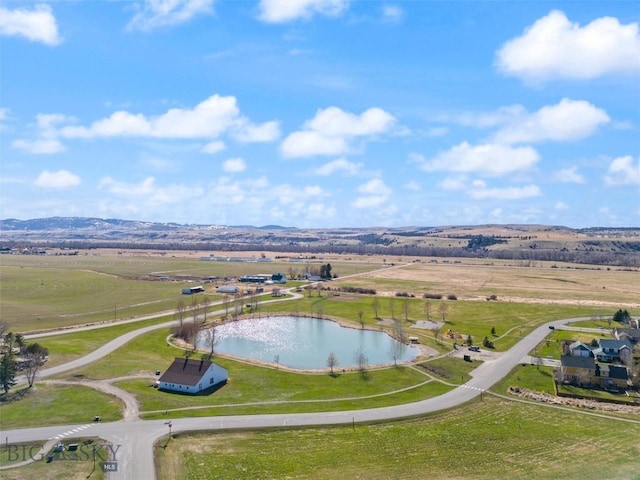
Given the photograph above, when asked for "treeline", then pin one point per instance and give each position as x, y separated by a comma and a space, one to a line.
628, 258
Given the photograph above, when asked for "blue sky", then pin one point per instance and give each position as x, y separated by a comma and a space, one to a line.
322, 113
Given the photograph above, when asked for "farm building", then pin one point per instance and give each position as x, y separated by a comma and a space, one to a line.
192, 290
190, 375
229, 289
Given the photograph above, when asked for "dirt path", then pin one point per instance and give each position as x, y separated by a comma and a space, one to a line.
131, 406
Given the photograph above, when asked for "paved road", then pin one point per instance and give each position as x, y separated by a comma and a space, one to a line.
136, 438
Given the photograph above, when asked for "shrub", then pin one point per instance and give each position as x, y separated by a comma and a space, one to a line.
451, 296
433, 296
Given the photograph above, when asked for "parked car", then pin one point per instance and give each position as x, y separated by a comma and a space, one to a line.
551, 327
474, 348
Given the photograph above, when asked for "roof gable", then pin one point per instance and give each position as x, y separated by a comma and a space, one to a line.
614, 344
578, 362
186, 371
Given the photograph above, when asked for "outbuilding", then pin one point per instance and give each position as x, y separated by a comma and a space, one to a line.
190, 375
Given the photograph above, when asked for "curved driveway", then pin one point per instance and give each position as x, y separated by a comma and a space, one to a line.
136, 438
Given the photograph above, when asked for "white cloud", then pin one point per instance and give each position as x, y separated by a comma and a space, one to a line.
480, 191
561, 206
145, 187
569, 175
210, 118
565, 121
154, 14
280, 11
554, 47
37, 24
412, 185
622, 171
213, 147
376, 193
59, 179
340, 164
234, 165
39, 146
308, 144
487, 159
249, 133
47, 143
392, 13
329, 132
502, 116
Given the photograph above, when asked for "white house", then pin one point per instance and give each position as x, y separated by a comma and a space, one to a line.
190, 375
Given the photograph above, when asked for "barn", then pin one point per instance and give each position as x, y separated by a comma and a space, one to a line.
190, 375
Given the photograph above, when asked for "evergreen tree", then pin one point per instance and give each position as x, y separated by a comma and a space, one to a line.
8, 369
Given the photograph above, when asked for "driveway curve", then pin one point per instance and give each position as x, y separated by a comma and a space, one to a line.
137, 437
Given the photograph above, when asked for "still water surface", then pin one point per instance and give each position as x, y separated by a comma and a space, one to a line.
305, 343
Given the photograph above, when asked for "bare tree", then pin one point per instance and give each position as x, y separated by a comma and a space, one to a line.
332, 361
435, 329
205, 302
237, 306
226, 301
626, 357
443, 309
34, 358
195, 307
209, 335
395, 351
375, 303
180, 312
392, 307
361, 318
398, 330
405, 308
427, 309
363, 362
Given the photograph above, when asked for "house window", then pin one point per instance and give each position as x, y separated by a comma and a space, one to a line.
211, 381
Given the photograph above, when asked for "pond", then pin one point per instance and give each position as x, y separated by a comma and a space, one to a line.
305, 343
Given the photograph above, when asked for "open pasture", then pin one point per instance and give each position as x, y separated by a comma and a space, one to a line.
482, 440
40, 292
585, 285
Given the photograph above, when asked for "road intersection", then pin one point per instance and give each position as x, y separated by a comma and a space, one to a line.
135, 439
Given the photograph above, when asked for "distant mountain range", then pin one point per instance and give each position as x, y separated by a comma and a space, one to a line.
611, 246
64, 223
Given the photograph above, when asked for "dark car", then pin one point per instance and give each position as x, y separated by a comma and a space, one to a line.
474, 348
551, 327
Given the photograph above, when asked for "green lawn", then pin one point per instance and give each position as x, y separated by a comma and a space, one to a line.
511, 320
67, 466
483, 440
56, 405
527, 376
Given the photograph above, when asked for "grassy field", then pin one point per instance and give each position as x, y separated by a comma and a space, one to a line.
56, 405
511, 320
588, 285
40, 292
67, 466
483, 440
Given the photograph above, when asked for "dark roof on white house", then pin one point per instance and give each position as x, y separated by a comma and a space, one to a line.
619, 372
185, 371
614, 344
578, 362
